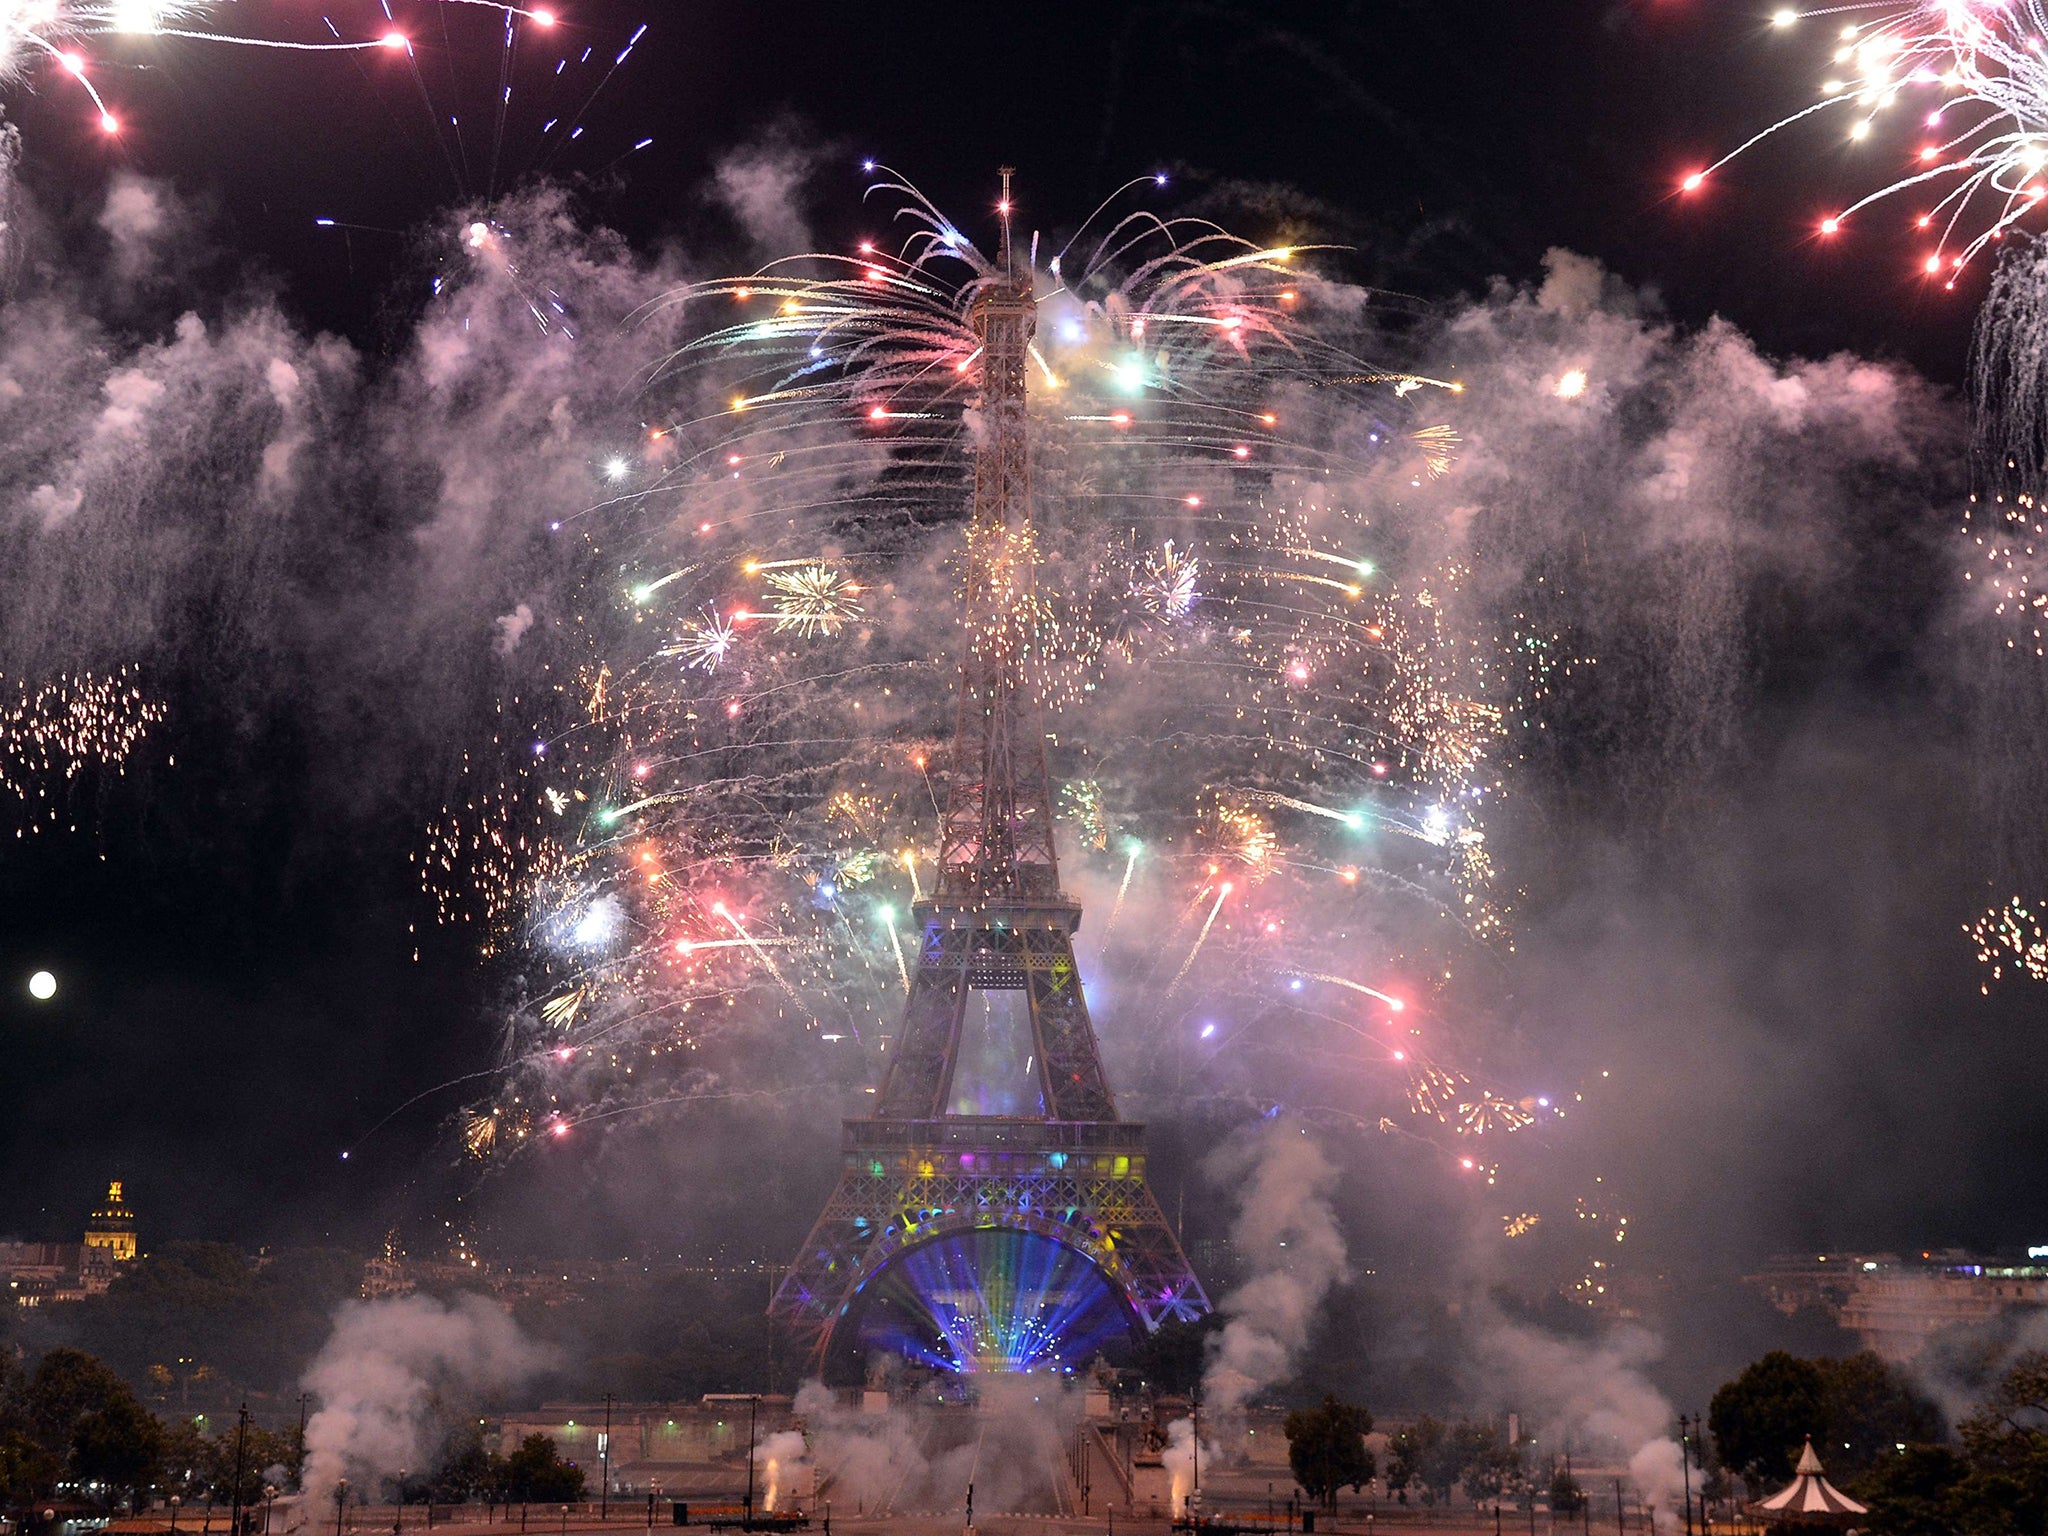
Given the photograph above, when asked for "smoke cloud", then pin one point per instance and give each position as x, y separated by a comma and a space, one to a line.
1287, 1234
396, 1373
1737, 560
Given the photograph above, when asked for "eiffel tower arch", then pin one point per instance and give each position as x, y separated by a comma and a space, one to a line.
984, 1241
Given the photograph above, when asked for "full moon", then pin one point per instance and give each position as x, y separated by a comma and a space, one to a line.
42, 986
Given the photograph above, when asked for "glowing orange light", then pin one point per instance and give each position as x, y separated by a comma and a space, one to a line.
1193, 501
1934, 263
109, 123
393, 39
1829, 225
1240, 452
543, 18
1692, 182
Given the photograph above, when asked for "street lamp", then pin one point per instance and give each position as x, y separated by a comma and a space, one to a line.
340, 1502
175, 1502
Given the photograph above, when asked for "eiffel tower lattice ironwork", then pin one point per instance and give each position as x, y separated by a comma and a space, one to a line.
996, 921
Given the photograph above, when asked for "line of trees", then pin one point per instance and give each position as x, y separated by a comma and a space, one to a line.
1326, 1451
73, 1431
1885, 1444
72, 1428
1433, 1457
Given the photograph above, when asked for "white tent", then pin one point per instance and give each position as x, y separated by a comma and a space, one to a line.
1809, 1496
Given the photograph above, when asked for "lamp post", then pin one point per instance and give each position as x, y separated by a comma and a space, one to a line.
1685, 1468
269, 1503
235, 1497
175, 1502
340, 1503
604, 1487
753, 1410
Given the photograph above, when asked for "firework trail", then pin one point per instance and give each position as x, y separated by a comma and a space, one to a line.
1964, 86
75, 39
1201, 938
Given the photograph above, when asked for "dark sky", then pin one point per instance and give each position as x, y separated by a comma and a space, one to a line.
239, 998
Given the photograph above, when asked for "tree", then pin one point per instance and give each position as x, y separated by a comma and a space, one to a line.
2006, 1441
1868, 1410
1762, 1418
27, 1471
118, 1446
1424, 1452
1171, 1357
1912, 1492
1326, 1448
1858, 1410
466, 1470
85, 1417
1486, 1464
1566, 1496
536, 1474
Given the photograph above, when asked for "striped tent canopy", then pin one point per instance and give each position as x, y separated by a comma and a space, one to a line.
1809, 1496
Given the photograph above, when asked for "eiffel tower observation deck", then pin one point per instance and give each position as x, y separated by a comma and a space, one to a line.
1027, 1238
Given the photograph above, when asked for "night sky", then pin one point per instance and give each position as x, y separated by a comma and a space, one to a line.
233, 936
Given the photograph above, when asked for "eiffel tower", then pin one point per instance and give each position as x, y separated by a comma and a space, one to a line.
916, 1173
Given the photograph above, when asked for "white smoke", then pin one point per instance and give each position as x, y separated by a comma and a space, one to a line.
139, 217
511, 629
1594, 1394
390, 1368
784, 1461
865, 1456
1659, 1477
1287, 1234
1183, 1467
760, 186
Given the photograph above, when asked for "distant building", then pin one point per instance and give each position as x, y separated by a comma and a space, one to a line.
1896, 1306
109, 1241
38, 1274
1795, 1283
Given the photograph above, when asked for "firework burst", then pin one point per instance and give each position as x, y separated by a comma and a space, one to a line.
1302, 738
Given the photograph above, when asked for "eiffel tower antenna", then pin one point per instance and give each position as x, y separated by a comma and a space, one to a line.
1004, 208
919, 1172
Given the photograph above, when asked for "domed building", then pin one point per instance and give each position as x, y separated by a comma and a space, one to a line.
109, 1241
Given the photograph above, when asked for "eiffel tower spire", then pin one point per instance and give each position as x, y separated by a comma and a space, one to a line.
996, 921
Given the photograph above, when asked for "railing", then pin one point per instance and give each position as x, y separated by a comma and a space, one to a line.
997, 1132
